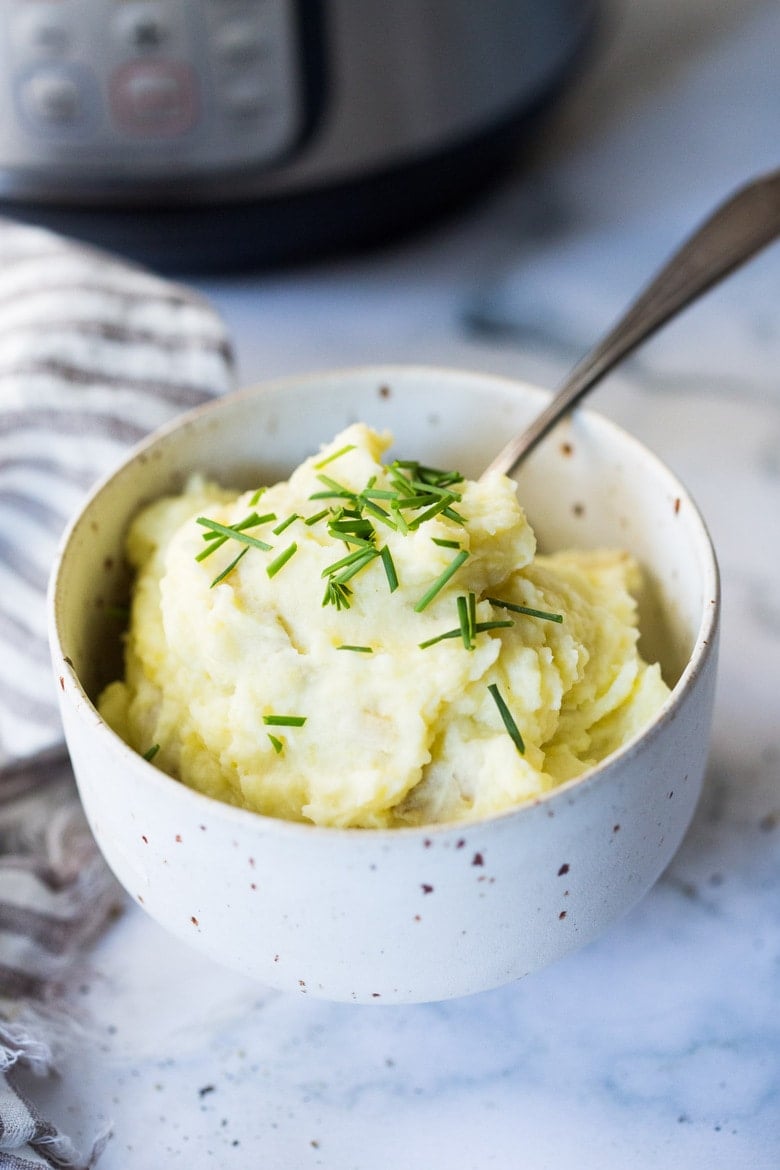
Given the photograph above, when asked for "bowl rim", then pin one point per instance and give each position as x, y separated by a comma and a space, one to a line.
704, 646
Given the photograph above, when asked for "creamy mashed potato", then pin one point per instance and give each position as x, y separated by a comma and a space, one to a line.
373, 644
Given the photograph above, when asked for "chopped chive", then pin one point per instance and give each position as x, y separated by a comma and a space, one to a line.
350, 539
216, 535
338, 594
365, 558
389, 567
357, 649
441, 505
380, 514
151, 752
257, 496
433, 476
277, 744
445, 543
335, 486
401, 484
334, 455
537, 613
440, 638
434, 489
317, 516
356, 526
229, 569
451, 514
421, 501
399, 518
281, 560
371, 493
356, 555
284, 720
472, 606
479, 628
233, 534
506, 717
463, 622
441, 581
285, 524
331, 494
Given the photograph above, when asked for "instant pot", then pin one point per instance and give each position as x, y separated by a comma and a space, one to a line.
207, 134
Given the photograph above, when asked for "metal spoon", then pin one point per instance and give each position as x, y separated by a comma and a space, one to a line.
735, 231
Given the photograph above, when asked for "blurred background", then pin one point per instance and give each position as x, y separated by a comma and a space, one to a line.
440, 181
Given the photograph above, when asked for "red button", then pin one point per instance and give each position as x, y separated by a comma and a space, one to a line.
154, 98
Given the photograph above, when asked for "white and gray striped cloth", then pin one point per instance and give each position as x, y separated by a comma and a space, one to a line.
94, 353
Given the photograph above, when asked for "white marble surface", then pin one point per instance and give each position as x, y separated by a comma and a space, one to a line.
658, 1046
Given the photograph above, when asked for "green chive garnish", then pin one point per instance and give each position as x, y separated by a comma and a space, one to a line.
357, 649
278, 745
380, 514
317, 516
285, 524
233, 533
216, 535
257, 496
338, 594
281, 560
506, 718
446, 543
463, 620
441, 505
343, 529
335, 487
433, 489
366, 556
284, 720
331, 494
479, 628
441, 581
389, 567
537, 613
229, 569
399, 518
334, 455
358, 554
152, 752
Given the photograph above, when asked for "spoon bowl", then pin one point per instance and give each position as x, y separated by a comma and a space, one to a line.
401, 915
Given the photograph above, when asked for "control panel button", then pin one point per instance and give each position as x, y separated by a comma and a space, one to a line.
52, 97
41, 31
238, 42
141, 27
99, 87
245, 97
154, 98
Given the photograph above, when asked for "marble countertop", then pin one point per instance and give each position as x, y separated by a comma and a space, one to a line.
657, 1046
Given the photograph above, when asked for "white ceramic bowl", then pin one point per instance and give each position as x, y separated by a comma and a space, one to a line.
404, 914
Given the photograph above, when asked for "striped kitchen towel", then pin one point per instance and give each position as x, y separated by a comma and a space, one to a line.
94, 353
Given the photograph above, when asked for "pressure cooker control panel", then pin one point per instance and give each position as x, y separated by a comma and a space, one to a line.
149, 88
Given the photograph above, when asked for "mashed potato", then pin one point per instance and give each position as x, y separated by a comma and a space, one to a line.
374, 645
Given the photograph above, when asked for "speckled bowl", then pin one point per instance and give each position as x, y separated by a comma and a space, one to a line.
404, 914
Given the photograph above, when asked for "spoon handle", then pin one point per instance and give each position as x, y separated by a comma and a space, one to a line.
735, 231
